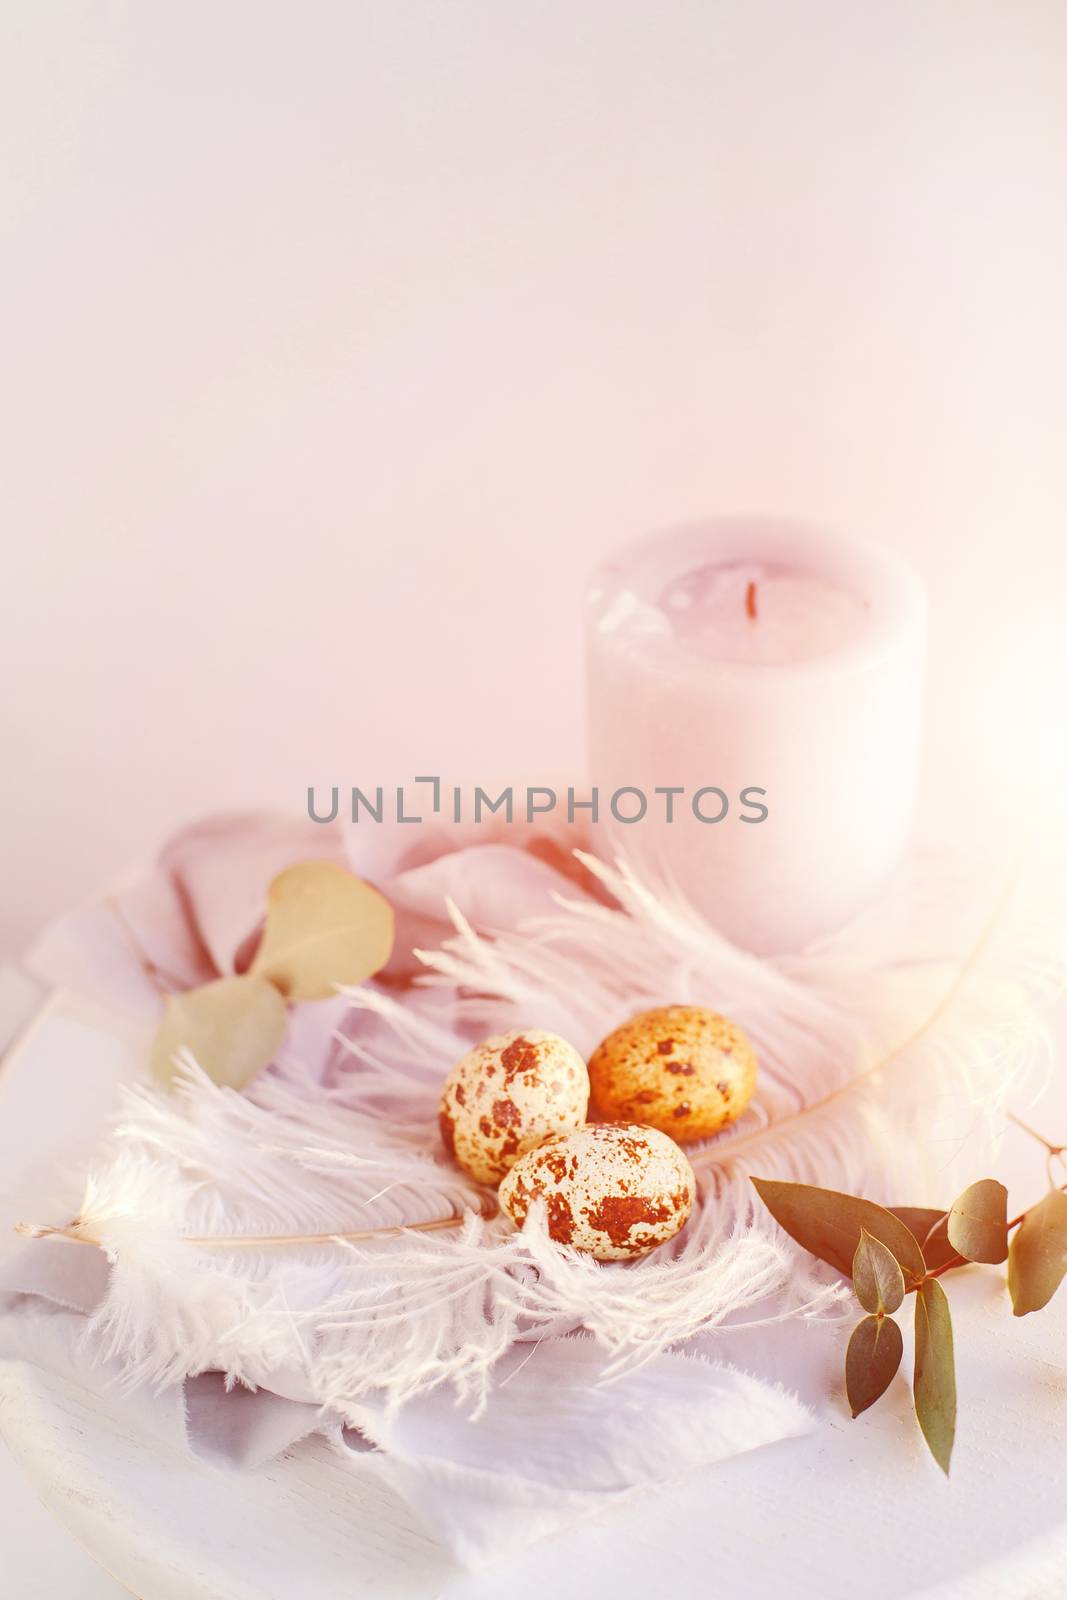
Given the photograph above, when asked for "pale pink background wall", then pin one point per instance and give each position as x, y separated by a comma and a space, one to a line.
341, 339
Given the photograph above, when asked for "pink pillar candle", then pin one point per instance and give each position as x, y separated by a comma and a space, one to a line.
761, 666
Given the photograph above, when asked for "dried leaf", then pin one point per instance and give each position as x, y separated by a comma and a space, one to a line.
829, 1224
871, 1361
1037, 1259
324, 927
232, 1028
876, 1276
978, 1222
930, 1227
935, 1371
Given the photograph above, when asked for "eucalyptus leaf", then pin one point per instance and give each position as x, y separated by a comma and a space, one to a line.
232, 1028
324, 927
930, 1227
935, 1371
829, 1224
876, 1276
871, 1361
978, 1222
1037, 1259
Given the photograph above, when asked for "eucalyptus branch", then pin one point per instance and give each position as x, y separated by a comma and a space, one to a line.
889, 1253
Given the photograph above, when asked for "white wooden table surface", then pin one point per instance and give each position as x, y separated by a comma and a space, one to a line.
39, 1559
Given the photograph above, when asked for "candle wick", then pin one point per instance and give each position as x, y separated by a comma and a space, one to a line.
750, 601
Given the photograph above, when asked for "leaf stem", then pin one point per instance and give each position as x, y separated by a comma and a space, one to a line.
1053, 1149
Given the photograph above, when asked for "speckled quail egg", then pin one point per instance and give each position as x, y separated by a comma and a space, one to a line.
612, 1190
682, 1069
506, 1095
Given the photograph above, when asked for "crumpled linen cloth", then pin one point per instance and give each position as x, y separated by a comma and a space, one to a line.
554, 1443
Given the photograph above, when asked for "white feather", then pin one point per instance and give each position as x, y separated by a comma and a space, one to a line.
343, 1319
864, 1042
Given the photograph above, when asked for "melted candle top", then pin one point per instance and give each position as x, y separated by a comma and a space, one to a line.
798, 616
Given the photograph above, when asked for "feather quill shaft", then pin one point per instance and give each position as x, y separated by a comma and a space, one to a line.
257, 1241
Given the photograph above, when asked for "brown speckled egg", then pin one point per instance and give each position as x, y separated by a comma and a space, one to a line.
508, 1094
613, 1190
682, 1069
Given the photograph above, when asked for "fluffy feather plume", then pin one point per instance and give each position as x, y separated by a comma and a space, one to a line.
909, 1029
919, 1020
198, 1206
